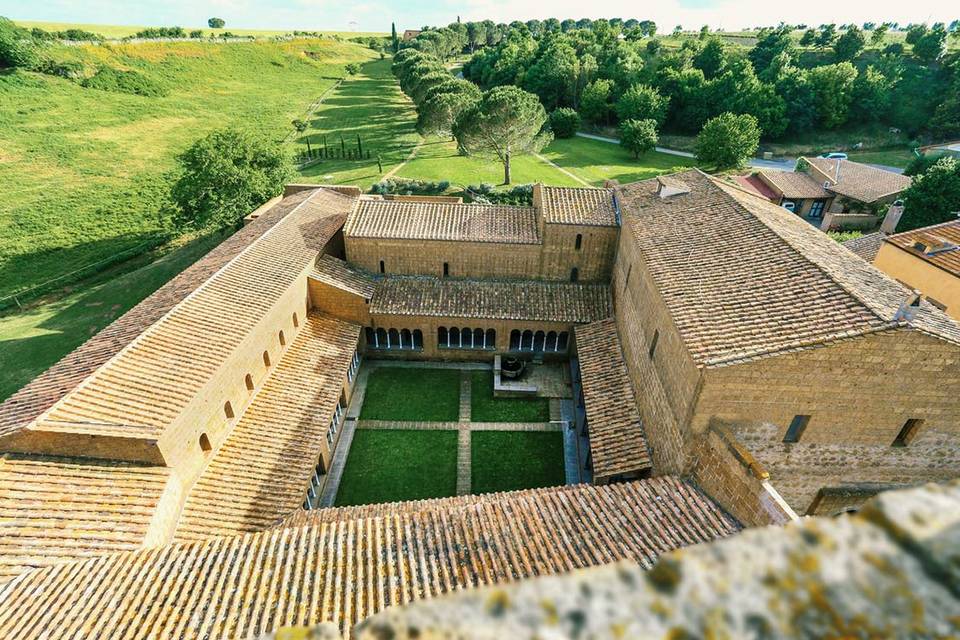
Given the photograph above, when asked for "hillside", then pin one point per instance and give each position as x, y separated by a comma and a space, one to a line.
86, 171
122, 31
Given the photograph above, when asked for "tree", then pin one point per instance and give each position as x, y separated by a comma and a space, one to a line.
394, 40
638, 136
711, 58
833, 86
725, 142
352, 68
914, 33
224, 176
808, 38
564, 122
301, 126
878, 34
933, 197
826, 36
216, 23
930, 46
771, 43
871, 96
595, 103
850, 44
554, 74
507, 121
641, 102
653, 47
17, 47
443, 105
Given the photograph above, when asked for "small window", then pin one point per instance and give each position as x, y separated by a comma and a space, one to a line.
908, 432
248, 382
383, 268
797, 426
579, 242
228, 410
937, 303
266, 358
574, 274
205, 445
653, 342
446, 269
296, 321
283, 340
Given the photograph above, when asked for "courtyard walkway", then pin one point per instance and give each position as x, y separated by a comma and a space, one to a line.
559, 422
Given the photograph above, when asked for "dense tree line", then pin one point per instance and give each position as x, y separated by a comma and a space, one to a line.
610, 71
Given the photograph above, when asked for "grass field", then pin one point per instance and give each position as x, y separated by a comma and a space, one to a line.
485, 408
34, 339
85, 172
404, 393
122, 31
511, 460
388, 466
595, 161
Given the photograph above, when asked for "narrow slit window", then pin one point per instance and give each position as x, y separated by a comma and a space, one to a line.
574, 274
383, 268
579, 242
797, 426
283, 340
296, 321
446, 269
205, 445
908, 432
266, 358
248, 382
653, 342
228, 410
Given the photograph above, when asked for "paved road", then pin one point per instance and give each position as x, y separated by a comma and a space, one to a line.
786, 164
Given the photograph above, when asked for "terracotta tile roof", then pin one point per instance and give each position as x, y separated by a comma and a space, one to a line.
867, 245
795, 184
261, 471
617, 441
47, 388
337, 273
146, 386
860, 181
492, 299
941, 241
343, 571
443, 221
581, 206
54, 510
742, 277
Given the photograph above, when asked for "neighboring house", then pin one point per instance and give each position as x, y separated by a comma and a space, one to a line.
867, 245
928, 260
830, 193
410, 34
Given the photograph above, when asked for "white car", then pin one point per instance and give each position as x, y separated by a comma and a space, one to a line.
836, 155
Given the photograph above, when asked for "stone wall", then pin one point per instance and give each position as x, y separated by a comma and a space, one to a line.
427, 257
337, 303
593, 259
890, 572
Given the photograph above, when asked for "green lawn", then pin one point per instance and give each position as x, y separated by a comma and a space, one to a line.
34, 339
511, 460
485, 408
889, 157
438, 159
595, 161
86, 172
409, 394
388, 466
372, 106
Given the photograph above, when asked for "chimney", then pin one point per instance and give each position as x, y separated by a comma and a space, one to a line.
908, 308
892, 219
670, 186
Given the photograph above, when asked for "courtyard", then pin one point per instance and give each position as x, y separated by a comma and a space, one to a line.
433, 430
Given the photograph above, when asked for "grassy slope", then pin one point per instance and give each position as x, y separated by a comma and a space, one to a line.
33, 340
388, 466
122, 31
511, 460
84, 171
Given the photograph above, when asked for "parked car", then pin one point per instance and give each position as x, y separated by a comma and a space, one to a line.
834, 155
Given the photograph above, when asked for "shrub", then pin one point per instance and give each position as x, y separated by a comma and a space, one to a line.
161, 32
406, 187
68, 70
638, 136
196, 33
564, 122
520, 195
117, 81
17, 46
352, 69
725, 142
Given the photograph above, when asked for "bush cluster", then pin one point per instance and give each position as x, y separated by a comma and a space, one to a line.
117, 81
405, 187
564, 122
520, 195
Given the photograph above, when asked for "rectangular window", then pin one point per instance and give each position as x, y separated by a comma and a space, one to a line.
816, 209
797, 426
653, 342
383, 268
446, 269
579, 242
908, 432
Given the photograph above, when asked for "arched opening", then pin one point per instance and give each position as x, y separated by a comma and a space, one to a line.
406, 339
579, 242
552, 340
228, 410
296, 321
539, 341
393, 339
417, 339
205, 445
455, 337
266, 358
515, 340
283, 339
443, 338
490, 341
370, 336
562, 341
574, 274
526, 341
248, 382
381, 338
478, 339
